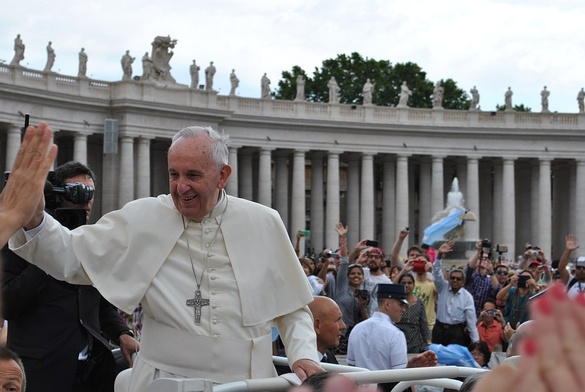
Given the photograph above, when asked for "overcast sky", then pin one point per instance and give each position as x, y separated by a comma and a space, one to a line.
492, 44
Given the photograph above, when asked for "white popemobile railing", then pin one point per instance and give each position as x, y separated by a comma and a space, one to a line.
440, 376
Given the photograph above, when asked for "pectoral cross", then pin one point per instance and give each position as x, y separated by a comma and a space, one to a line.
198, 302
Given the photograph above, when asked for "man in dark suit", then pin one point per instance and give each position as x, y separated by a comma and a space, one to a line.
328, 325
56, 327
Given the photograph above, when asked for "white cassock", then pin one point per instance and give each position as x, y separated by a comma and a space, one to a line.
140, 254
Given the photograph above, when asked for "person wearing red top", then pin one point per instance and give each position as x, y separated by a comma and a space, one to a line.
490, 326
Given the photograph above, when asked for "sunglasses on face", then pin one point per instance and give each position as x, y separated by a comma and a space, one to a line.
456, 278
502, 272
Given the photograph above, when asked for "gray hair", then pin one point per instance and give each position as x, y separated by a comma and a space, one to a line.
459, 270
219, 145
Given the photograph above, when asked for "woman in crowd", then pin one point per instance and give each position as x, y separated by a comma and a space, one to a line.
394, 271
414, 321
481, 353
350, 293
317, 285
516, 295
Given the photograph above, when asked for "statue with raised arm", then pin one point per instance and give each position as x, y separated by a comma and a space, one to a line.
126, 62
50, 57
367, 91
234, 82
474, 98
580, 99
18, 51
508, 99
194, 71
544, 94
438, 96
265, 87
333, 90
161, 57
300, 88
405, 93
209, 73
146, 66
82, 64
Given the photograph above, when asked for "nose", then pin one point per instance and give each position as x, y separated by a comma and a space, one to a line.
182, 184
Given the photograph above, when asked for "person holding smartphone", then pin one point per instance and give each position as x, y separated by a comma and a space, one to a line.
490, 325
516, 295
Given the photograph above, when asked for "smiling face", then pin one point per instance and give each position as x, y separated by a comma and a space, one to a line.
355, 276
195, 181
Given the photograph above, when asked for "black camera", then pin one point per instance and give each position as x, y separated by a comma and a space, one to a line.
363, 294
75, 192
486, 246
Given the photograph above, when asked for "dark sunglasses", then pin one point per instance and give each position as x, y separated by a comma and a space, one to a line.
502, 272
456, 278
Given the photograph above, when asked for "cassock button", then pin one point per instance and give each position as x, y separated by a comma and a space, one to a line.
214, 306
213, 293
214, 321
213, 277
206, 231
207, 245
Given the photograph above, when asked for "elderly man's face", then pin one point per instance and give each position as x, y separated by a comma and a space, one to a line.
11, 376
194, 180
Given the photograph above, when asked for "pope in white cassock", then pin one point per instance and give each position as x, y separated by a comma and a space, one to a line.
213, 272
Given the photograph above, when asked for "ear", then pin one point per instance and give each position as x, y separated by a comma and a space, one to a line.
317, 325
224, 174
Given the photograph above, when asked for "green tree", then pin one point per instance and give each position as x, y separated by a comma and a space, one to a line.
351, 72
517, 108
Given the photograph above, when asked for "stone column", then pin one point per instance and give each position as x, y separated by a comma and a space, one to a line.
367, 205
231, 187
332, 206
281, 185
12, 145
472, 197
437, 184
425, 191
534, 202
402, 204
80, 148
245, 184
545, 208
497, 235
388, 204
561, 208
580, 200
508, 228
143, 168
126, 189
265, 177
298, 210
317, 202
352, 198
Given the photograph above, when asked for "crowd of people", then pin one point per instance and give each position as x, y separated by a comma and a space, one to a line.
345, 301
482, 305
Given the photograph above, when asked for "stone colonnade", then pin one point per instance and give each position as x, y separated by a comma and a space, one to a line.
514, 199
